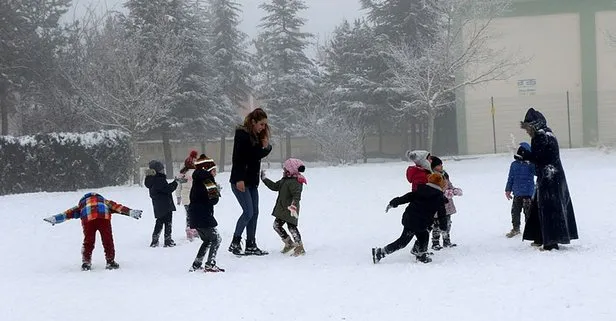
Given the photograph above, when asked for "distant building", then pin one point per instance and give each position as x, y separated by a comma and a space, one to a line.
571, 78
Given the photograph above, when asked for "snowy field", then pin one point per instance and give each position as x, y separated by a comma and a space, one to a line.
487, 277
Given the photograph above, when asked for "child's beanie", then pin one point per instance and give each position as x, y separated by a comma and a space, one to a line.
156, 166
204, 162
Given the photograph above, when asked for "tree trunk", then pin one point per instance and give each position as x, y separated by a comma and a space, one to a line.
380, 133
223, 151
363, 145
167, 151
4, 112
135, 151
203, 144
430, 133
288, 146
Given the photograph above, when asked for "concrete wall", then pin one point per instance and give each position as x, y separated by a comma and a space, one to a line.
606, 75
553, 44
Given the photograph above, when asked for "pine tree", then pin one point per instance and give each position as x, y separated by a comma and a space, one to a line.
228, 48
30, 35
286, 76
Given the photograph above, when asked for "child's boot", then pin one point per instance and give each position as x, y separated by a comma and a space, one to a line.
112, 265
154, 242
447, 242
86, 266
513, 232
377, 254
299, 249
424, 258
169, 243
288, 245
436, 245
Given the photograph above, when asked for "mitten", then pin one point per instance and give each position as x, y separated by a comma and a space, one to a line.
457, 191
449, 193
51, 220
293, 209
389, 206
263, 176
181, 179
136, 214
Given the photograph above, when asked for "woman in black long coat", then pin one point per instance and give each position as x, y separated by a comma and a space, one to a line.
551, 220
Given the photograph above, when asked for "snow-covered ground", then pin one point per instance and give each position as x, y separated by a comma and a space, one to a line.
487, 277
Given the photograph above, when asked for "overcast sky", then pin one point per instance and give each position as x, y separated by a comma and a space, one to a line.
322, 15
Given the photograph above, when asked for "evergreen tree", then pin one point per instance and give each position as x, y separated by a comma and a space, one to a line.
228, 48
286, 76
30, 35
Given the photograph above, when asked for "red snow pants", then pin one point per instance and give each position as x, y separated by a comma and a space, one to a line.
89, 237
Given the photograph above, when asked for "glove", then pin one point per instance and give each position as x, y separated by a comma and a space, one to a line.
136, 214
388, 208
181, 179
449, 193
263, 174
293, 209
51, 220
457, 191
508, 195
219, 188
179, 200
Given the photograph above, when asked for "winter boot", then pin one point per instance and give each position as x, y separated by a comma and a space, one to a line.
112, 265
424, 258
549, 247
169, 243
236, 245
415, 251
195, 266
447, 243
191, 234
299, 250
377, 254
154, 241
436, 246
288, 245
513, 233
86, 266
536, 244
253, 249
212, 268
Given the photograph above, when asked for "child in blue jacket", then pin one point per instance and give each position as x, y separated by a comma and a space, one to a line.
521, 182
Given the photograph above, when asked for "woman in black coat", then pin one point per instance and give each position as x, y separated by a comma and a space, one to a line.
161, 194
250, 145
551, 221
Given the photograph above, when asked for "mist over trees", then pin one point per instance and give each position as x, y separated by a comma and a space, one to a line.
183, 69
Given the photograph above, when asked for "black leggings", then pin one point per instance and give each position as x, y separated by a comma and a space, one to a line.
279, 228
421, 244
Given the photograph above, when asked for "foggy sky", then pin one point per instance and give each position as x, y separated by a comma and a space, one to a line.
322, 15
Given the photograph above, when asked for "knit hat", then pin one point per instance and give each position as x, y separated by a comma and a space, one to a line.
524, 147
435, 162
204, 162
294, 167
156, 166
438, 180
193, 154
419, 157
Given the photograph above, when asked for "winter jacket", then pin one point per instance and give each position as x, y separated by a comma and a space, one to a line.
551, 220
450, 192
204, 194
90, 207
289, 192
184, 188
246, 159
161, 193
521, 178
417, 175
419, 214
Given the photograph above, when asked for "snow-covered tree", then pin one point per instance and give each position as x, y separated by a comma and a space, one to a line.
30, 35
119, 86
285, 78
460, 55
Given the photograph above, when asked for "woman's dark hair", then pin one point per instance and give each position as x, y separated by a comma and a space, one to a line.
257, 115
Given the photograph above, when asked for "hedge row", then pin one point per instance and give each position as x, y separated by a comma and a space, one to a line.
64, 161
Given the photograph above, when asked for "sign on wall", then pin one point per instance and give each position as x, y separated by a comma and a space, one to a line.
527, 87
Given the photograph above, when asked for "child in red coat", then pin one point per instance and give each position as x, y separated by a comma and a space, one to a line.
95, 214
418, 174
